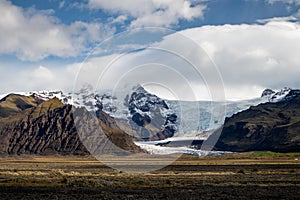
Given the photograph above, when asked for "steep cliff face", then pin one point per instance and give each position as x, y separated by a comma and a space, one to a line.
47, 127
139, 113
267, 127
151, 116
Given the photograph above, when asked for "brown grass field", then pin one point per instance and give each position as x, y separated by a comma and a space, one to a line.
232, 176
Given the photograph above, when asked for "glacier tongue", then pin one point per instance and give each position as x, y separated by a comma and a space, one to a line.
189, 118
154, 149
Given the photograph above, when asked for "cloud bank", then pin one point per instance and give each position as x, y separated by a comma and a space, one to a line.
34, 35
252, 56
249, 58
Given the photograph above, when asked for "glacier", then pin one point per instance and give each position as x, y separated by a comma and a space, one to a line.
189, 124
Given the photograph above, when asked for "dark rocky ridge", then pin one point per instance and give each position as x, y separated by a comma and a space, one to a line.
47, 127
267, 92
266, 127
146, 110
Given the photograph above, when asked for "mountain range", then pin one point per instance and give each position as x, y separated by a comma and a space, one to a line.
43, 122
31, 125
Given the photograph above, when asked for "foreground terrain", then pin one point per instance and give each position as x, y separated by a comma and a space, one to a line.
235, 176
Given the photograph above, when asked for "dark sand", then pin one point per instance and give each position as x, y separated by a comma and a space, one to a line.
236, 176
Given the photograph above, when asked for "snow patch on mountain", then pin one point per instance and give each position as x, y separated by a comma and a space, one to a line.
275, 96
46, 95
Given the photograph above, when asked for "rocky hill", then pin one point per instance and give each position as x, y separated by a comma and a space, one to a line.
30, 125
14, 103
272, 126
142, 115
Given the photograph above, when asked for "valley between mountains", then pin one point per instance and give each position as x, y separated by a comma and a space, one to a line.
43, 154
43, 123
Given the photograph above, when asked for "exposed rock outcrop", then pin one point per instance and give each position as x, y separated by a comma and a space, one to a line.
266, 127
48, 127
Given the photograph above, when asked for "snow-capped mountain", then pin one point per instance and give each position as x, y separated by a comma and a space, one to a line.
275, 96
140, 113
145, 107
137, 110
46, 95
145, 116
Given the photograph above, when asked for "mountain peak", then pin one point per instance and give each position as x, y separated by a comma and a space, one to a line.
267, 92
139, 88
277, 95
15, 103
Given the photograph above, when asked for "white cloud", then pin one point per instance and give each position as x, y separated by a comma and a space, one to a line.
290, 3
27, 78
34, 35
120, 19
252, 56
153, 12
249, 58
42, 73
284, 1
61, 4
277, 19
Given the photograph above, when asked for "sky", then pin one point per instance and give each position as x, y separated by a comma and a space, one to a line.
183, 49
